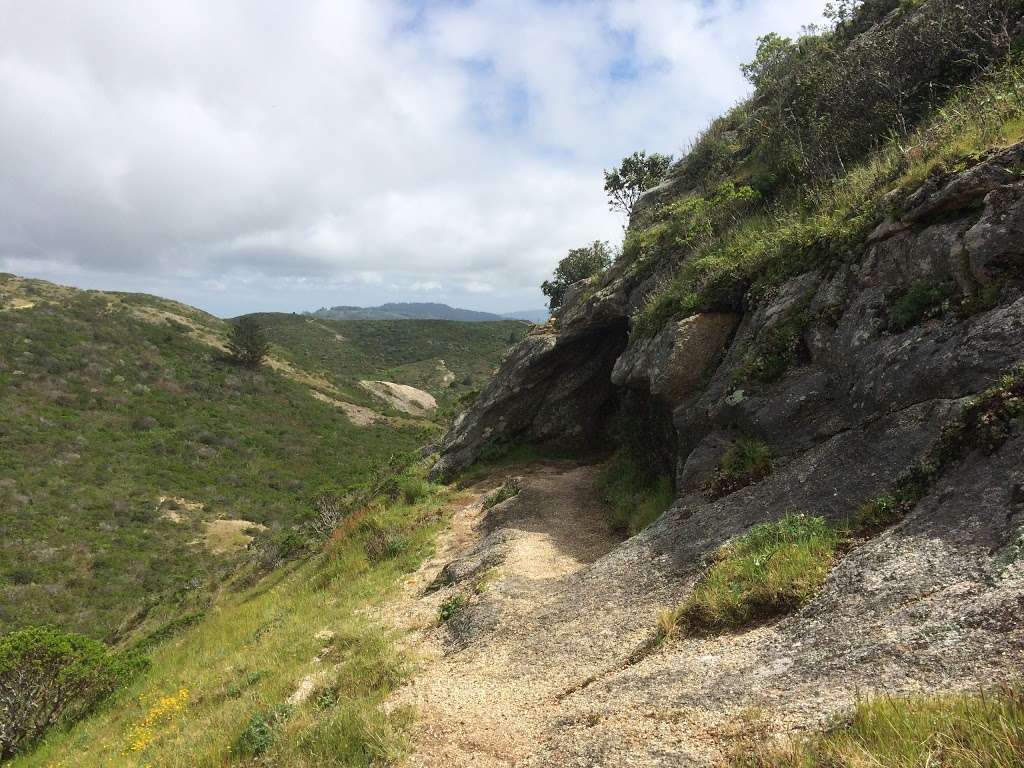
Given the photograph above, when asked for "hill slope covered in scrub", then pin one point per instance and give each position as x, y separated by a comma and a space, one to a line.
136, 461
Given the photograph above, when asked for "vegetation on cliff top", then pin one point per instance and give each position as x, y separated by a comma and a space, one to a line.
795, 177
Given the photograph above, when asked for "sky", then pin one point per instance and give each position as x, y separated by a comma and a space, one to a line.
256, 155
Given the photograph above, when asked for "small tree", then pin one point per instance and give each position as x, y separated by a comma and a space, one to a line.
48, 677
248, 343
634, 176
580, 264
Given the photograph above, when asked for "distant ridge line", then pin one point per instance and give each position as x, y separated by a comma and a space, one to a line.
424, 311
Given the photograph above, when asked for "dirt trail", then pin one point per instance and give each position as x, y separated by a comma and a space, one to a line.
475, 706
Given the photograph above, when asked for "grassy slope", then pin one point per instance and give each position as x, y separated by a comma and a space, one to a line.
218, 692
822, 221
112, 401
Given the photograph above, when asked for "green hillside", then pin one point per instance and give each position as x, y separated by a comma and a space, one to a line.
444, 357
132, 452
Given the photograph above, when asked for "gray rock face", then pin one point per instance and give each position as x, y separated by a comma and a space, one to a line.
963, 229
676, 362
551, 387
935, 603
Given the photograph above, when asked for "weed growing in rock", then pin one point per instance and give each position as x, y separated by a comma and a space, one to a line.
508, 489
745, 462
450, 606
771, 570
876, 515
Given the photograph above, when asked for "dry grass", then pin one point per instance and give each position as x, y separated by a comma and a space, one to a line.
962, 730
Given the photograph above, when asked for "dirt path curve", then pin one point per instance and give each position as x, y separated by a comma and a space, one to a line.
487, 690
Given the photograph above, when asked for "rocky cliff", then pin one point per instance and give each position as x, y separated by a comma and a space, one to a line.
891, 372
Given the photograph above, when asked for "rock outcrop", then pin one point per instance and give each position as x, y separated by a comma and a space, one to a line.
869, 389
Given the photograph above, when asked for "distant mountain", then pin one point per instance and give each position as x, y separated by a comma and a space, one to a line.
424, 311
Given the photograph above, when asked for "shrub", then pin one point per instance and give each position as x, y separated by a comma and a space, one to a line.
961, 729
379, 543
745, 462
49, 677
778, 348
635, 496
261, 732
329, 510
412, 489
248, 343
580, 264
634, 176
508, 489
922, 301
450, 606
773, 569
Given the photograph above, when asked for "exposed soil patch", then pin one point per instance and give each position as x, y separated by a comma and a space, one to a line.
361, 417
226, 536
402, 397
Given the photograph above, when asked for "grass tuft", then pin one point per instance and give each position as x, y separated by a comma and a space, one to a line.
508, 489
771, 570
983, 730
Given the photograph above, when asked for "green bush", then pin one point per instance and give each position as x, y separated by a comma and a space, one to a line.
580, 264
248, 344
922, 301
412, 489
983, 730
635, 496
49, 677
771, 570
745, 462
261, 732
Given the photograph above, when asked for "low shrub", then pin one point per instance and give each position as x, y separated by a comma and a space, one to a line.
745, 462
923, 300
970, 730
771, 570
506, 491
635, 496
380, 543
49, 677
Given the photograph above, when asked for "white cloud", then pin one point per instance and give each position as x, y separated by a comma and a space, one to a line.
279, 156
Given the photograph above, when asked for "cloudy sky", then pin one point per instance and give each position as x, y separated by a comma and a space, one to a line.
247, 155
